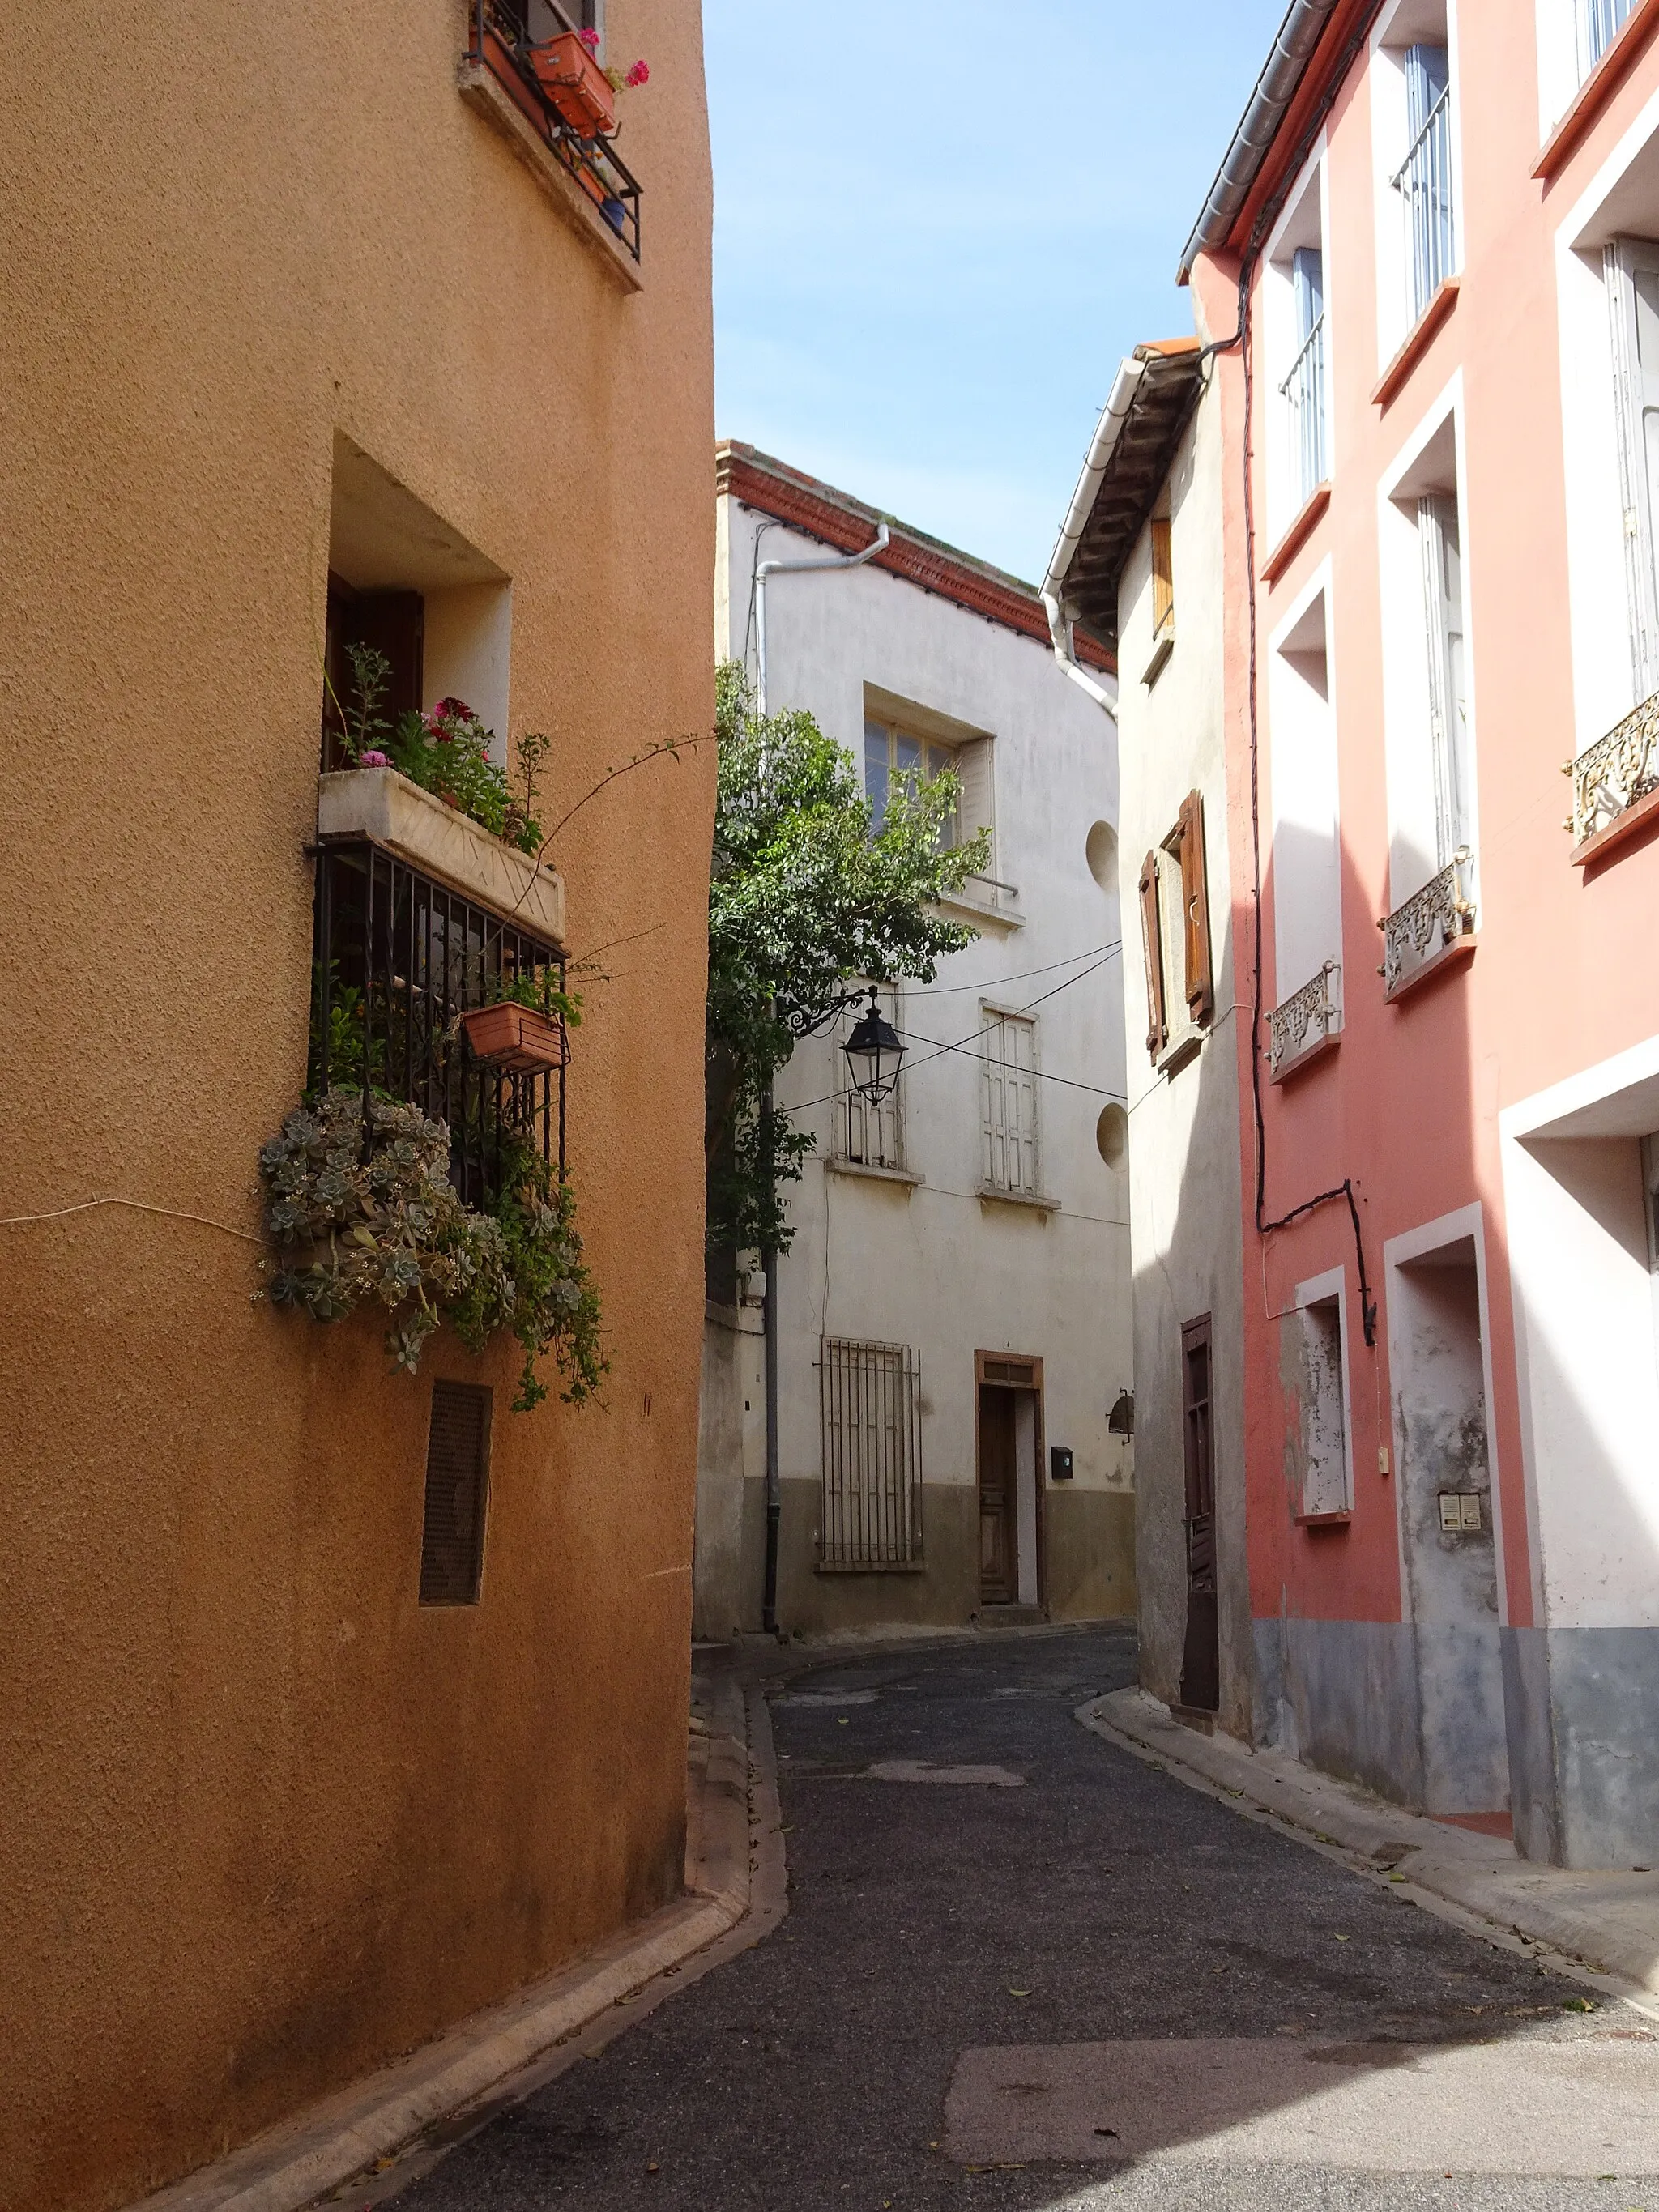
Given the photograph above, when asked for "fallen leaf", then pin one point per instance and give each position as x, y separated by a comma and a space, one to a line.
1344, 1938
651, 2165
1578, 2004
1397, 1877
1020, 1993
384, 2165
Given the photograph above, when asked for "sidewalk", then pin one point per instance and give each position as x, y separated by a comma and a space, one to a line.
1608, 1923
389, 2127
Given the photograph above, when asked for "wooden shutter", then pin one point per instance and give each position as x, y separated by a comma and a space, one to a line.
1196, 908
457, 1485
1009, 1054
1162, 581
1151, 932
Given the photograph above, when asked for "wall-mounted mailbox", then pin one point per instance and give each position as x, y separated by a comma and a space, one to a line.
1460, 1513
1059, 1462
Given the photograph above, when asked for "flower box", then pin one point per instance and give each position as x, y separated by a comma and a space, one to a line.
575, 84
386, 809
516, 1040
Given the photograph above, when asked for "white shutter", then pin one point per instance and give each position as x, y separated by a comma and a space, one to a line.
875, 1135
1443, 607
1631, 268
976, 808
1008, 1049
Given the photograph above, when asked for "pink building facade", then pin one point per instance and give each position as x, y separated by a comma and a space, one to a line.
1434, 245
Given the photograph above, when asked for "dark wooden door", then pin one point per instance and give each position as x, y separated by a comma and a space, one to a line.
1200, 1670
999, 1521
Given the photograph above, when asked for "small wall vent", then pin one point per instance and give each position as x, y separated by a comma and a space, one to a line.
457, 1487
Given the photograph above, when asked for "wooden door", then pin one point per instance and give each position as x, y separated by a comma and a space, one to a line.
998, 1540
1200, 1670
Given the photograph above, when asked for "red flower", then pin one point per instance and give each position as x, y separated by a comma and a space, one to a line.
590, 39
638, 74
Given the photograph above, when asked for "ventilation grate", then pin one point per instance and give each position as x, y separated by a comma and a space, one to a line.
457, 1485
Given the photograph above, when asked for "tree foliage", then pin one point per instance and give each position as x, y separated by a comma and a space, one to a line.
807, 898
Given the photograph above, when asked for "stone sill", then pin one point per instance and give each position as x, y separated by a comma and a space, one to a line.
1597, 89
386, 809
739, 1321
1457, 949
987, 1193
1174, 1057
1312, 513
964, 910
485, 92
1308, 1055
871, 1567
1324, 1519
1162, 649
1419, 339
905, 1177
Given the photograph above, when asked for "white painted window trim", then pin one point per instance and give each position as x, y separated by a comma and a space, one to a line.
1395, 318
1284, 504
1323, 1290
1321, 583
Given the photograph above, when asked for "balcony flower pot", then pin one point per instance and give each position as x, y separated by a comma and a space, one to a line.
515, 1040
578, 88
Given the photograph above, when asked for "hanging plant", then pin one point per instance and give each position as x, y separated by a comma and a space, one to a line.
360, 1209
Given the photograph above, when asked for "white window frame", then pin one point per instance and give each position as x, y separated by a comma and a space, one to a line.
936, 758
1023, 1177
1318, 1302
1306, 793
1400, 28
1308, 207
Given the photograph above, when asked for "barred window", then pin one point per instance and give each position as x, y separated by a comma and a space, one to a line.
871, 1454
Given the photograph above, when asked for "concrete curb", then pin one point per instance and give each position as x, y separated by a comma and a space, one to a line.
1603, 1928
396, 2122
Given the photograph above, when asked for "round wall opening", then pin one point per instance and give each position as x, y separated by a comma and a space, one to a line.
1112, 1135
1101, 852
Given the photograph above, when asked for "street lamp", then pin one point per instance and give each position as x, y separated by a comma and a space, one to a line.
874, 1053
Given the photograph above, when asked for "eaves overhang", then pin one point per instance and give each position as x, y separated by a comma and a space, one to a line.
1170, 377
847, 524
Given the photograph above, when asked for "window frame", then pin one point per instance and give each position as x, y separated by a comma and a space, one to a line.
1398, 314
1322, 1305
929, 771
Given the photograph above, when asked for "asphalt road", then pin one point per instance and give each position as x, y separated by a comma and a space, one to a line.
1086, 1897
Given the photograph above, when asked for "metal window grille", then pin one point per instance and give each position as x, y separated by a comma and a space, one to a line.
1424, 178
456, 1491
1009, 1158
398, 958
871, 1454
1304, 389
503, 33
1600, 22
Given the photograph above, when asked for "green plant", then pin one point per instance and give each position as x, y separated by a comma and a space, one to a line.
538, 988
806, 896
360, 1207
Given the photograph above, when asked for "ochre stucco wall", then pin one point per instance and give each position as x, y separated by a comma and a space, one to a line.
264, 1822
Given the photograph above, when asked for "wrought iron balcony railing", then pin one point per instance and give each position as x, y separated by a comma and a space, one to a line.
1616, 773
1309, 1019
1303, 391
1424, 180
1432, 924
503, 34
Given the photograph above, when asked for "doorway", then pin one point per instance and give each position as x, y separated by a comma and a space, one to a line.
1201, 1663
1010, 1448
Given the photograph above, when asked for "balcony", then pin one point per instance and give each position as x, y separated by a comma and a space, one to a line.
984, 899
1308, 1024
1433, 928
497, 74
1616, 783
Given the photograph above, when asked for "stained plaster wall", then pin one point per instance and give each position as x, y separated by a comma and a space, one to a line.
931, 1265
267, 1822
1184, 1125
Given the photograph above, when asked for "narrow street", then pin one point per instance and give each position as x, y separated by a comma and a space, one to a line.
902, 2040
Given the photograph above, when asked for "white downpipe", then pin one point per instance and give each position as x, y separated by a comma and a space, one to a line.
1108, 430
765, 569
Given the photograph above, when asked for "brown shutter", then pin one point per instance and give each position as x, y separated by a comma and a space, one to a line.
1162, 581
1195, 905
1158, 1023
457, 1485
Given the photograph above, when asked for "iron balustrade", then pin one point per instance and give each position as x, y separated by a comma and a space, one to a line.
1309, 1018
503, 34
871, 1454
1615, 773
1424, 179
1304, 389
1431, 922
398, 958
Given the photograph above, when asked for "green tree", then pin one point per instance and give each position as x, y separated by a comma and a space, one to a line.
807, 898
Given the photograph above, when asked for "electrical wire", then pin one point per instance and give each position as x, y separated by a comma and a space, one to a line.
1020, 975
133, 1205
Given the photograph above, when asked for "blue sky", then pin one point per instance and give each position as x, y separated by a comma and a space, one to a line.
940, 225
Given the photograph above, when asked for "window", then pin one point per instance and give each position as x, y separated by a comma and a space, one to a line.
1322, 1421
1174, 921
873, 1136
1424, 178
1008, 1084
893, 756
1440, 540
1163, 580
1298, 458
1413, 131
1631, 271
1599, 22
1200, 1665
457, 1489
871, 1454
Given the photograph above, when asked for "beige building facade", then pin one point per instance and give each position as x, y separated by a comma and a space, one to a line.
313, 308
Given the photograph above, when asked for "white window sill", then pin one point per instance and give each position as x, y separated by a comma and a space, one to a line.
988, 1192
839, 1164
1181, 1049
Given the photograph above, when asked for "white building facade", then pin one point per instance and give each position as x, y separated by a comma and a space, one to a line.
954, 1337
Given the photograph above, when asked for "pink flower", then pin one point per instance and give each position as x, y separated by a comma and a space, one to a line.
590, 39
458, 707
376, 760
638, 74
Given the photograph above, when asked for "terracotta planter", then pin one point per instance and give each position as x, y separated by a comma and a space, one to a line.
516, 1040
578, 88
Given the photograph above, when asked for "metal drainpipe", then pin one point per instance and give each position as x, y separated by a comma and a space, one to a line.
1102, 445
765, 569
